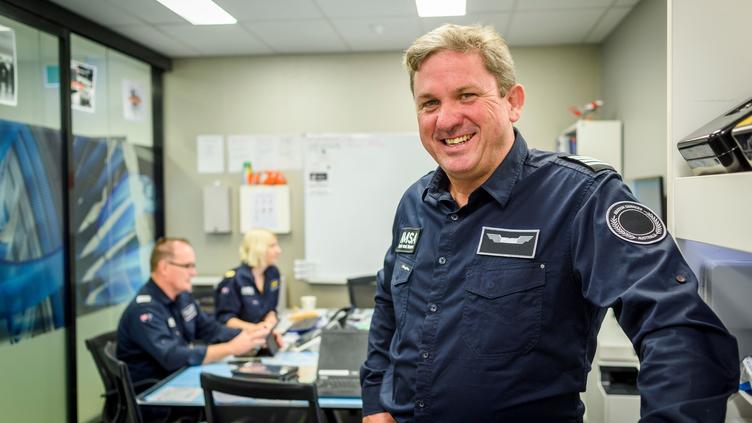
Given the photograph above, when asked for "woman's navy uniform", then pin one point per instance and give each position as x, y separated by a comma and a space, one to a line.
237, 295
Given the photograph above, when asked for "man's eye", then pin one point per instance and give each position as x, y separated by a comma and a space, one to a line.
467, 96
429, 104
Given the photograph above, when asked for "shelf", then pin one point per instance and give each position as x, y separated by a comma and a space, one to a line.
714, 209
747, 397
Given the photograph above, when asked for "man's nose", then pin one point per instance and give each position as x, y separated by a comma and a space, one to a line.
449, 119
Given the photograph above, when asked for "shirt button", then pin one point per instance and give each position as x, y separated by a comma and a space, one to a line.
425, 355
433, 308
442, 260
420, 403
453, 216
681, 278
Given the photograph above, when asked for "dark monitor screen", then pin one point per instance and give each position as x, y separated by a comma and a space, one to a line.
650, 193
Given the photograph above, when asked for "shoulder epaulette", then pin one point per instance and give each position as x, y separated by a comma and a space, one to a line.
593, 164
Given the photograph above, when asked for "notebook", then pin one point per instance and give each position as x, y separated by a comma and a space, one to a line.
341, 354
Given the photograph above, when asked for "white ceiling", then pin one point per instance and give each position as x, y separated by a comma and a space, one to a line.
330, 26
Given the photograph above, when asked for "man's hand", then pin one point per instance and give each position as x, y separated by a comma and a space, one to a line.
247, 340
379, 418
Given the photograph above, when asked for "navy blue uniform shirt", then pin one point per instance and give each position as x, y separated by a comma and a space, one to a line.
490, 312
237, 295
157, 336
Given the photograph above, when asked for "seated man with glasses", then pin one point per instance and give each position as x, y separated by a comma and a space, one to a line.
164, 329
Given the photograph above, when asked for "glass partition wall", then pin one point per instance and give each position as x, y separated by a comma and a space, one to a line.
80, 203
113, 197
32, 310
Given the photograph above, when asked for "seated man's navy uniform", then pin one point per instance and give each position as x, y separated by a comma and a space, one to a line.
237, 295
157, 336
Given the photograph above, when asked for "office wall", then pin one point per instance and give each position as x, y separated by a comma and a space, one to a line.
634, 87
323, 93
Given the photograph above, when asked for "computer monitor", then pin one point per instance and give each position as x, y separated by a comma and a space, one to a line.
649, 191
362, 291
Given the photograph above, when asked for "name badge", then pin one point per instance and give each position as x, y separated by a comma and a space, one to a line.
246, 290
408, 240
189, 312
171, 322
520, 243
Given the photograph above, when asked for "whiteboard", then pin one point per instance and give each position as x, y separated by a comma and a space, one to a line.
353, 183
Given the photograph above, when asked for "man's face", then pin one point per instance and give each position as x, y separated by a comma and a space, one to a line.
465, 124
181, 268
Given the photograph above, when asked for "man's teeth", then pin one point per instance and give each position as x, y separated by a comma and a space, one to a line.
453, 141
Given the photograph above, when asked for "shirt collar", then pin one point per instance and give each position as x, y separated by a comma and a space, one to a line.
499, 185
156, 292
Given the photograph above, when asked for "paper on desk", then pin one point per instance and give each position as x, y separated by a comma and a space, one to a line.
176, 394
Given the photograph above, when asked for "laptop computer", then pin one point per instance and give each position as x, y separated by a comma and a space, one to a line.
341, 354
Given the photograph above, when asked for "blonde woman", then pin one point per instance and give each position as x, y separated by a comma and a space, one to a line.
247, 296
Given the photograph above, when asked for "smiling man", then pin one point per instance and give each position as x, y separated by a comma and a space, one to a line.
504, 261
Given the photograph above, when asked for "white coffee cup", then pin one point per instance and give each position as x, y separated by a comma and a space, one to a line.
308, 302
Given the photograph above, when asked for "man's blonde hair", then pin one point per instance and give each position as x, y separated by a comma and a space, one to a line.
255, 244
482, 39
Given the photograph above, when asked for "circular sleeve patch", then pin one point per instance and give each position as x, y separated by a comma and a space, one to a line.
635, 223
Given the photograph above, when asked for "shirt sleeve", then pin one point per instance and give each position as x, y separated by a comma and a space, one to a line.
153, 334
210, 330
275, 298
379, 337
688, 360
227, 301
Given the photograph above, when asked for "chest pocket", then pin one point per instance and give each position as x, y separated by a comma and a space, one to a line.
502, 309
403, 268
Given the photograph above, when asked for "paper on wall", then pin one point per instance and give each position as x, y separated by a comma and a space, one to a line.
210, 153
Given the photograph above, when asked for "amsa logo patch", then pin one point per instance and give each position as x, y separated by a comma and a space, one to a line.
408, 240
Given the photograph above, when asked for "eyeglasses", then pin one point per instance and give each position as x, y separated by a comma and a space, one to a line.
183, 265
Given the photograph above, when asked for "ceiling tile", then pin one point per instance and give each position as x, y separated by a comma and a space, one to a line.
607, 24
476, 6
265, 10
552, 27
559, 4
149, 11
381, 34
217, 40
157, 40
314, 36
367, 8
500, 21
100, 12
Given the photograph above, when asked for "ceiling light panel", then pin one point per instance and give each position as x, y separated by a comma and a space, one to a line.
199, 12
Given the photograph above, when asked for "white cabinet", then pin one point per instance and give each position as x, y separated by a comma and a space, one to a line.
265, 206
713, 209
600, 139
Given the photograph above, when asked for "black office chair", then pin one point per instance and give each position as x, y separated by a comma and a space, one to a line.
96, 348
255, 388
362, 291
128, 411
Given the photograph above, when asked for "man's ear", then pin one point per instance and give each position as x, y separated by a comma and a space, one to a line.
516, 98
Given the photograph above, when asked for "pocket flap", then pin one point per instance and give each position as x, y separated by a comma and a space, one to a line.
401, 272
497, 283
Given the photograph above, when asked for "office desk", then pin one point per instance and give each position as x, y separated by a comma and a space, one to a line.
183, 388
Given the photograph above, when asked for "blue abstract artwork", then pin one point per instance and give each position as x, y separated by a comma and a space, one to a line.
112, 221
31, 231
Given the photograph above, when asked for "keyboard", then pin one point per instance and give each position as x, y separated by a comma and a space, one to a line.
339, 387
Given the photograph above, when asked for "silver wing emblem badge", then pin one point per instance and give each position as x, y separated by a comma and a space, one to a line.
498, 239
